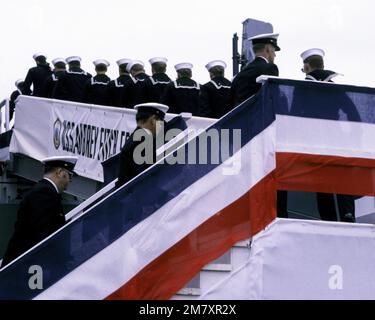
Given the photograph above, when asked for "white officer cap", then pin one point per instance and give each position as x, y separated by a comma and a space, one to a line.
73, 58
183, 65
133, 63
58, 60
266, 38
123, 61
101, 61
152, 108
66, 162
158, 59
17, 83
312, 52
39, 54
216, 63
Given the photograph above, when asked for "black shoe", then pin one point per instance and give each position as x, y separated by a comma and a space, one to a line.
349, 217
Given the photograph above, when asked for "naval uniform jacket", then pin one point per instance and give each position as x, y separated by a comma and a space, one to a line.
71, 84
95, 90
321, 75
216, 98
12, 102
115, 88
50, 83
128, 168
39, 215
244, 85
36, 77
131, 92
153, 88
182, 95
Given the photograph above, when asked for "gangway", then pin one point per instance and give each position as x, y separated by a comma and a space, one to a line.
149, 238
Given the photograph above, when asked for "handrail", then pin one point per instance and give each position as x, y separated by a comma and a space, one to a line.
80, 209
88, 202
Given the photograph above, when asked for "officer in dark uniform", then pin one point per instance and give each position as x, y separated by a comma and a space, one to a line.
40, 213
13, 97
37, 76
131, 95
153, 87
59, 69
149, 118
215, 95
70, 84
116, 87
95, 90
182, 95
313, 67
244, 85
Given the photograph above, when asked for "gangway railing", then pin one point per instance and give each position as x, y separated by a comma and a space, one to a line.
162, 151
85, 206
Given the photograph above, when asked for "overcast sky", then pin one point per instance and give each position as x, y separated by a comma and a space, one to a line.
194, 31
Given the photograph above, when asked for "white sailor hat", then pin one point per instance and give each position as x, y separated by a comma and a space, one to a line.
312, 52
216, 63
73, 58
133, 63
101, 61
158, 59
123, 61
17, 83
266, 38
65, 162
39, 54
152, 108
58, 60
183, 65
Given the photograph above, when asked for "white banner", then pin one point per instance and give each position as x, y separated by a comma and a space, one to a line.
46, 128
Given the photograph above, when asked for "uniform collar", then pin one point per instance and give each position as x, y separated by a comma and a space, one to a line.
321, 75
55, 186
265, 59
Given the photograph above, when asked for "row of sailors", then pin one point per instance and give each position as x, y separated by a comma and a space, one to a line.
132, 87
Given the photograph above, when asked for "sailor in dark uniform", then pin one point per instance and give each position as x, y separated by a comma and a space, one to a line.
13, 97
215, 95
37, 76
115, 87
182, 95
59, 69
153, 87
95, 90
40, 213
131, 92
313, 67
149, 118
244, 85
70, 84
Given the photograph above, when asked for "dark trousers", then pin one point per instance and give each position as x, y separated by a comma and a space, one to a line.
282, 204
328, 206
